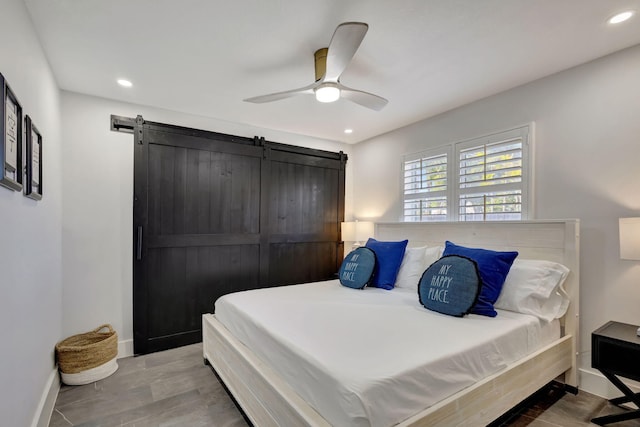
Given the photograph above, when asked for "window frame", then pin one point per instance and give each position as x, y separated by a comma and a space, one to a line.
443, 150
454, 191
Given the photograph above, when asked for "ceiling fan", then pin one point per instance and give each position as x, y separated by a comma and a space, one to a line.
330, 64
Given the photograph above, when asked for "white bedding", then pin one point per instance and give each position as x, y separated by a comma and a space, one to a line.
374, 357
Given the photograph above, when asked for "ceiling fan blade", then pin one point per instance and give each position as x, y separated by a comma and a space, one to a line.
307, 90
344, 44
365, 99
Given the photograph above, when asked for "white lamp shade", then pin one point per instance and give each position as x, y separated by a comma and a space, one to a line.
357, 231
629, 238
349, 231
364, 230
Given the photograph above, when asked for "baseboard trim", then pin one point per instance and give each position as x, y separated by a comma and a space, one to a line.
47, 401
594, 382
125, 348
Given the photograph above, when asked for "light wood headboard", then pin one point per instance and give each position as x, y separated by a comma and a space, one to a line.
554, 240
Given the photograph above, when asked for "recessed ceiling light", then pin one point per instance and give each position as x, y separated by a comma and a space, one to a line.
621, 17
348, 131
125, 83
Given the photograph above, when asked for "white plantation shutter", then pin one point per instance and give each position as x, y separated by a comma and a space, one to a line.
492, 176
425, 186
486, 179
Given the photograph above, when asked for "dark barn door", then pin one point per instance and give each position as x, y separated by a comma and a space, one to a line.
214, 214
304, 213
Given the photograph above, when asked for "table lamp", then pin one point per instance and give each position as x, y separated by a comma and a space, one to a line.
630, 240
356, 232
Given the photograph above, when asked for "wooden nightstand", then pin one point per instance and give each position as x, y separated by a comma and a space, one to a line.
615, 351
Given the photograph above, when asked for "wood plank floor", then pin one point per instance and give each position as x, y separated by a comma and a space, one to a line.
175, 388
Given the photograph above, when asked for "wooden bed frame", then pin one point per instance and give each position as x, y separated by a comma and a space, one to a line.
268, 400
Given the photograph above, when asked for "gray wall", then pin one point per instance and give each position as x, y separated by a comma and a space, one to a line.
30, 242
587, 148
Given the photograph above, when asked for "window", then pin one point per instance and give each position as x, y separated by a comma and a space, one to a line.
425, 187
486, 179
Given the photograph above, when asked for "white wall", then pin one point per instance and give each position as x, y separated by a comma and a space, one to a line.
30, 242
97, 210
587, 155
587, 137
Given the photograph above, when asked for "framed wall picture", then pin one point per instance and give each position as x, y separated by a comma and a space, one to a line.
10, 138
33, 149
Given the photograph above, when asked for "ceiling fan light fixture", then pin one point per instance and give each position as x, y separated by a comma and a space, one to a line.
327, 92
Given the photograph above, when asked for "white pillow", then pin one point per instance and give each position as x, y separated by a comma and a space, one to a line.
431, 255
531, 287
414, 263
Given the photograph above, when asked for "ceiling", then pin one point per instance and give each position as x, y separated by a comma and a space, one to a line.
204, 57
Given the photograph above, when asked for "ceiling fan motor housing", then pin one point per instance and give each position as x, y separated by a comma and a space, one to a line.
321, 62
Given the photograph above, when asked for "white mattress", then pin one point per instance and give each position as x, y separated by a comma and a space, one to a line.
374, 357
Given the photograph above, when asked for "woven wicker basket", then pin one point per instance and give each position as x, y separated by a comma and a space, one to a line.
88, 357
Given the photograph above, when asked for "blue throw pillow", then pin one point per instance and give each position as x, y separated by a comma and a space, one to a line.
450, 285
357, 268
493, 267
389, 255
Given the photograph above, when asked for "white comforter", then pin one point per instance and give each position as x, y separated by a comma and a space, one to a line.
373, 357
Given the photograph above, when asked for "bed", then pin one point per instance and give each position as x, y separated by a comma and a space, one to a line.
270, 395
